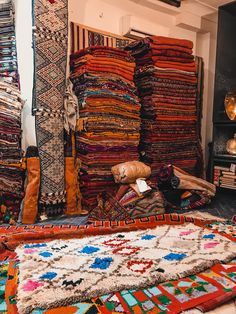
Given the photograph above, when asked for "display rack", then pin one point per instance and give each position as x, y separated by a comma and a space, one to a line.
225, 81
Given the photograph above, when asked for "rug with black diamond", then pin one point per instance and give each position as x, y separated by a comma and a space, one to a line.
62, 272
50, 47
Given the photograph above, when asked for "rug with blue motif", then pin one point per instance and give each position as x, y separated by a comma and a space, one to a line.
61, 272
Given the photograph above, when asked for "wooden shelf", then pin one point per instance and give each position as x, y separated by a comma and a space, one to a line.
224, 156
225, 123
226, 188
225, 81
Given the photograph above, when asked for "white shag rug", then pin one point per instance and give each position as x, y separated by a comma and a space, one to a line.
63, 272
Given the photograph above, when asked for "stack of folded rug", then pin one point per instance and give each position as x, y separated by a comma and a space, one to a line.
11, 167
109, 123
10, 122
8, 62
167, 85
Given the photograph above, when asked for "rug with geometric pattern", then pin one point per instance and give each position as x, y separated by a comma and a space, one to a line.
50, 19
61, 272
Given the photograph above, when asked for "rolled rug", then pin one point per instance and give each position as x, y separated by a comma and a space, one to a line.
30, 202
182, 190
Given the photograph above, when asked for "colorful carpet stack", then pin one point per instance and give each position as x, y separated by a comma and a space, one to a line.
109, 125
8, 61
11, 167
167, 86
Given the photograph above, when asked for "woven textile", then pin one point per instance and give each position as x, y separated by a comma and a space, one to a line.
108, 129
50, 44
11, 168
128, 204
8, 58
167, 84
199, 105
83, 37
225, 228
127, 301
217, 284
11, 105
12, 236
73, 270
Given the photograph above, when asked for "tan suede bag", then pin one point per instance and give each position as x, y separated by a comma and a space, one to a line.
129, 171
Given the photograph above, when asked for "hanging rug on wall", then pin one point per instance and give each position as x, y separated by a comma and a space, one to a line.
62, 272
50, 47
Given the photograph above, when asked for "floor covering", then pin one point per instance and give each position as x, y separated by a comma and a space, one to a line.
194, 290
62, 272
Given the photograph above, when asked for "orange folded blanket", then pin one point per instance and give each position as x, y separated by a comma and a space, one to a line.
172, 41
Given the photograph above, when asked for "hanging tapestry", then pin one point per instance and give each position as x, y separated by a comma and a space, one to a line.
83, 37
50, 45
8, 58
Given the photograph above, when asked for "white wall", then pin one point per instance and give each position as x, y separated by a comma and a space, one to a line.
106, 14
25, 64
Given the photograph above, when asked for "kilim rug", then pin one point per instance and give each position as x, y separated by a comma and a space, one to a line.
83, 36
50, 45
62, 272
217, 284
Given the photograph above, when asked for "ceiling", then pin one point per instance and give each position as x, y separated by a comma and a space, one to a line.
213, 3
202, 7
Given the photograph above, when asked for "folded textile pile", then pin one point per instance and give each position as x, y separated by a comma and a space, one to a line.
11, 191
128, 203
134, 197
109, 124
11, 167
8, 62
184, 191
10, 122
167, 85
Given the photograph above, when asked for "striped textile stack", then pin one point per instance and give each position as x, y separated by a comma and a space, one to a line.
8, 58
11, 167
109, 123
167, 85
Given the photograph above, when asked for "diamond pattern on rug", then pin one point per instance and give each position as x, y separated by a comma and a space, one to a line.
50, 43
51, 49
65, 271
51, 74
